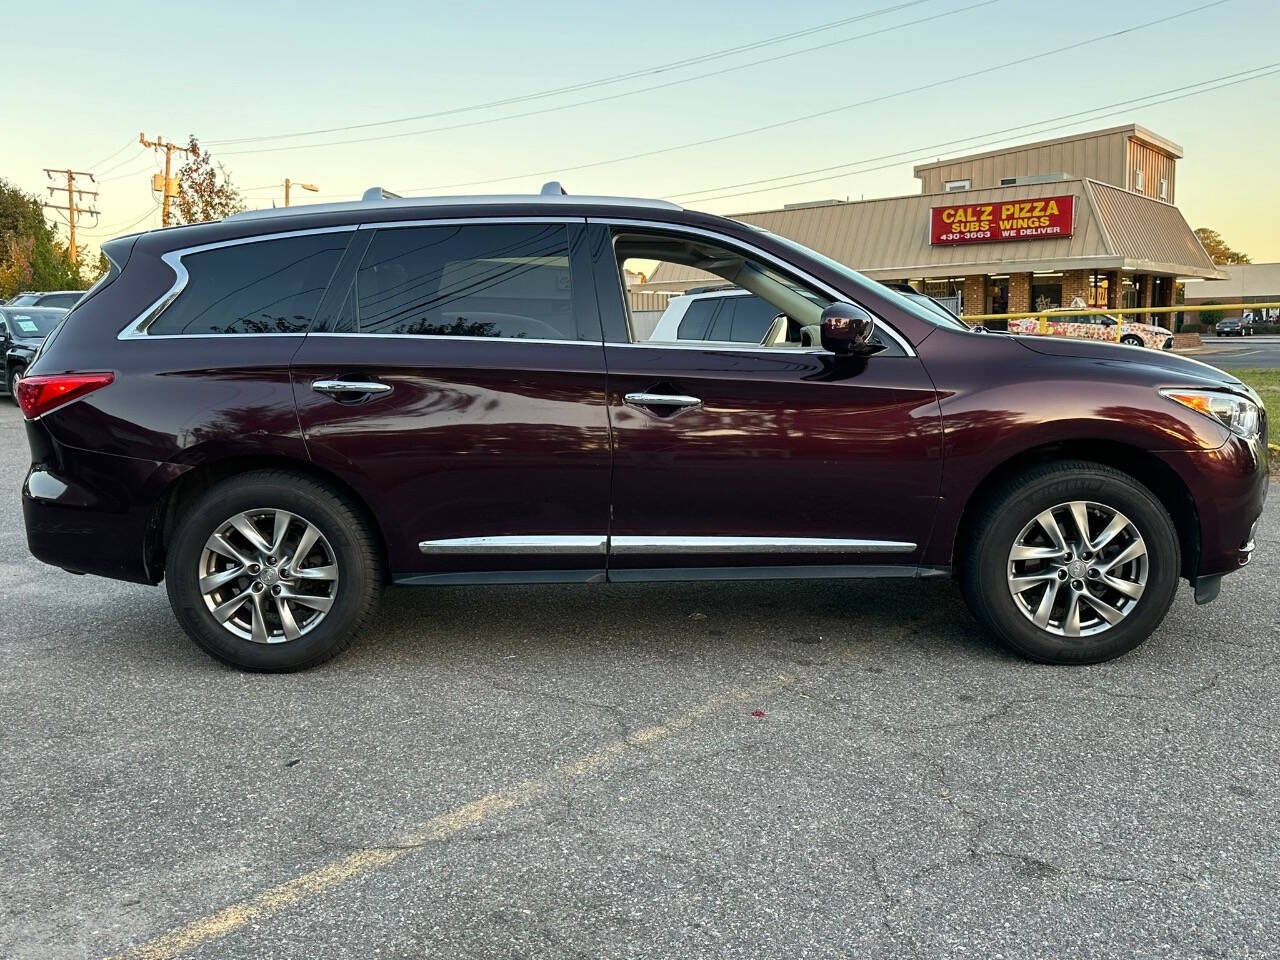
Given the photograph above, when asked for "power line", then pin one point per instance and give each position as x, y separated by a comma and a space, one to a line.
113, 228
589, 84
1236, 78
116, 166
152, 163
833, 110
114, 153
613, 96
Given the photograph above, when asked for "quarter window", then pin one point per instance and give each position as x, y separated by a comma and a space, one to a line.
266, 286
475, 280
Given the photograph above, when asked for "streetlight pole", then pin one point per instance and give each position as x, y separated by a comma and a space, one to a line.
305, 186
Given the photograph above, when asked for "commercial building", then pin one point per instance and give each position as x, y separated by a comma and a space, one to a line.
1245, 283
1018, 229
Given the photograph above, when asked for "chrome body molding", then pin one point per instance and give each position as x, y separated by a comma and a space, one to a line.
625, 546
543, 545
521, 545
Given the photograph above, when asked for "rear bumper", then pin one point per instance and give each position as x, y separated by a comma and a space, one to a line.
1229, 487
91, 512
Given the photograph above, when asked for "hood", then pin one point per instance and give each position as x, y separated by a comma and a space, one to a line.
30, 343
1170, 365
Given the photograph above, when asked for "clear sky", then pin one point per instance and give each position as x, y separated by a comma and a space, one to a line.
90, 76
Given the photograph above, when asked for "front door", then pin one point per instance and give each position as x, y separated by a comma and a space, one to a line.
776, 456
456, 382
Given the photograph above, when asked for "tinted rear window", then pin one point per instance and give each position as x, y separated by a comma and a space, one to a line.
499, 280
267, 286
697, 319
743, 320
64, 300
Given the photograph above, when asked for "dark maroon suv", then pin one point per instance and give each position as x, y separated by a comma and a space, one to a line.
281, 413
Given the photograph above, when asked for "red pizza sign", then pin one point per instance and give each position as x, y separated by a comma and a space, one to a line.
1039, 219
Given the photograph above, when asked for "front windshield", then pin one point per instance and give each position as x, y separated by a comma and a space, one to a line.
939, 318
33, 323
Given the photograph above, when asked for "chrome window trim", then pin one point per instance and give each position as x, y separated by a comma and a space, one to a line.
785, 265
633, 545
137, 328
446, 337
705, 345
545, 545
519, 545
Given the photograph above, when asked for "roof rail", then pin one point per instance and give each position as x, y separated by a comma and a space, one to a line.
551, 192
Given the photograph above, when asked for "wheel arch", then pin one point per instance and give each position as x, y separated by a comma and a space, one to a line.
1143, 466
194, 482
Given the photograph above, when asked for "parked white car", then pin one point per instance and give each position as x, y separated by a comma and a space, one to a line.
725, 316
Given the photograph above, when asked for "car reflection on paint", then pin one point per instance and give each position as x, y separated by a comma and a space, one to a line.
1095, 327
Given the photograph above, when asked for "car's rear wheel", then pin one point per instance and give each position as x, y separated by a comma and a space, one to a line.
1072, 563
1131, 340
272, 571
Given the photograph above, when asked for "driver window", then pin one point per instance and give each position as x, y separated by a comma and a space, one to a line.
509, 281
682, 289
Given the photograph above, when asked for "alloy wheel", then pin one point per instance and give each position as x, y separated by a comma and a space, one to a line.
1078, 569
268, 575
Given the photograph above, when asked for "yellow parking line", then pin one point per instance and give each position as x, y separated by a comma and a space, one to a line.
363, 862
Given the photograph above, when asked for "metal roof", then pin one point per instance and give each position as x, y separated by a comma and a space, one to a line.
888, 239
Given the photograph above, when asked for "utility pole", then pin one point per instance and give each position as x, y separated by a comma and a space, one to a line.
159, 144
72, 207
289, 184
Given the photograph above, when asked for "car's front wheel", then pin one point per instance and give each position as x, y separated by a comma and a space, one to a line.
1072, 563
272, 571
14, 376
1131, 340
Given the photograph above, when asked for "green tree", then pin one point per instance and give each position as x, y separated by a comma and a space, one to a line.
31, 255
1217, 248
205, 190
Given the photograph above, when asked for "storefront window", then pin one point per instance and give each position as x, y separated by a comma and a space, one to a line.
1099, 289
998, 295
1046, 294
1129, 293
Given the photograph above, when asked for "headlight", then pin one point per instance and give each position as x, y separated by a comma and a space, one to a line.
1238, 414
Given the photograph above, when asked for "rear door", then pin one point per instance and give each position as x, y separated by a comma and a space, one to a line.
456, 381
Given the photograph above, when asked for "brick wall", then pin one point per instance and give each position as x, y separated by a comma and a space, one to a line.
1019, 292
1075, 283
974, 295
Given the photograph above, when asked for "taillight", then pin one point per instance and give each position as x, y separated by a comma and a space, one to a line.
39, 394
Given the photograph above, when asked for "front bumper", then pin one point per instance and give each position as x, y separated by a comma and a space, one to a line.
1229, 488
91, 512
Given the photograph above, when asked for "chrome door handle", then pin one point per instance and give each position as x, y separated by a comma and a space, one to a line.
364, 387
661, 400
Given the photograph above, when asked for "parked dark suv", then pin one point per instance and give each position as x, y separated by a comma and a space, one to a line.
279, 413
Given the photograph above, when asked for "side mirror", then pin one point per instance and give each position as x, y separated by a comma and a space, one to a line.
847, 331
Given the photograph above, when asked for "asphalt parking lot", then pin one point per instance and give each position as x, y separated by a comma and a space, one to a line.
741, 770
1240, 353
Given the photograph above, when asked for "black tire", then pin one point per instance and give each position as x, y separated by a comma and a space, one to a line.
14, 376
1131, 340
355, 552
985, 562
